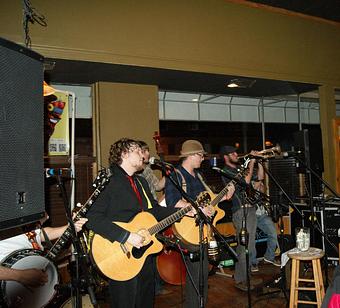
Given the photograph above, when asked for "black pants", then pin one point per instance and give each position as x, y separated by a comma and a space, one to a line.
138, 292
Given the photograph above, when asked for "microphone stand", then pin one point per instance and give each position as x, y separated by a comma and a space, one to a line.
202, 219
243, 236
291, 203
244, 241
81, 276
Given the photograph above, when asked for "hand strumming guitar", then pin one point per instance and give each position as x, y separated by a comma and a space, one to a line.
137, 240
30, 277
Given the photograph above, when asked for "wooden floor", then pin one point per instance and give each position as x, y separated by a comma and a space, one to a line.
222, 293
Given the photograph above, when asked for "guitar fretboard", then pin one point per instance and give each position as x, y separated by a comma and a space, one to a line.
169, 220
221, 194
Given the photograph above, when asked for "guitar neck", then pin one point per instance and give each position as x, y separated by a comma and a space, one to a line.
169, 220
62, 242
221, 194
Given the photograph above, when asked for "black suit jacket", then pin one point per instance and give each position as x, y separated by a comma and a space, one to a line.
119, 202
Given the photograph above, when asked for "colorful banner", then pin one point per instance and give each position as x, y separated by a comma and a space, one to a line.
58, 117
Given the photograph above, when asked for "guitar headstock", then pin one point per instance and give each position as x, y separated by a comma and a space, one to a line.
101, 179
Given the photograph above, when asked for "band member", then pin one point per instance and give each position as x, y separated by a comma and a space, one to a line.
126, 195
265, 224
243, 214
33, 239
154, 182
192, 156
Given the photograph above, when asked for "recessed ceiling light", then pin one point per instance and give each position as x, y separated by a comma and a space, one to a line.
195, 99
232, 85
241, 83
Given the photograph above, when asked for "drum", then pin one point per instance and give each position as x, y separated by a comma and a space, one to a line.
17, 295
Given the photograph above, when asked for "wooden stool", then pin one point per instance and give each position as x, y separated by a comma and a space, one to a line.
314, 255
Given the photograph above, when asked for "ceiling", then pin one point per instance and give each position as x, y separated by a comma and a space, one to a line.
82, 72
326, 9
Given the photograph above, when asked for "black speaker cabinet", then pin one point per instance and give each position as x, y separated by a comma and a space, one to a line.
21, 135
283, 171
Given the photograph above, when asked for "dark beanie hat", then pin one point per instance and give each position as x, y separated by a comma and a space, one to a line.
227, 149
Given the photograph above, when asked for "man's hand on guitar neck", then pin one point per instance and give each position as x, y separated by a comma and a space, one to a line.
78, 225
183, 203
207, 210
230, 192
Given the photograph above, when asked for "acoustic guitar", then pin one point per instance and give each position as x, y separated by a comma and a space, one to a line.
188, 231
123, 261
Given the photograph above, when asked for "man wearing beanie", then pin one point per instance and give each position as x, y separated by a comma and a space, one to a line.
244, 215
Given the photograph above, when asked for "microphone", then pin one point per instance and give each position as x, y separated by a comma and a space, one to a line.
158, 162
219, 170
223, 173
230, 177
291, 154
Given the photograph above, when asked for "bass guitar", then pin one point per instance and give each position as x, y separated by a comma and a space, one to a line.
17, 295
123, 261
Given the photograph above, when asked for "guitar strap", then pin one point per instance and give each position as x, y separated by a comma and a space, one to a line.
32, 237
207, 188
184, 184
145, 195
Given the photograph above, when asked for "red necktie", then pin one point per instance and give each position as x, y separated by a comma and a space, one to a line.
135, 189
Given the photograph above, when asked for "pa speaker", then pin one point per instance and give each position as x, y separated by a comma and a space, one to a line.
283, 171
21, 135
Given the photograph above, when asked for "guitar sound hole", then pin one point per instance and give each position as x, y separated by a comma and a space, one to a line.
138, 253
